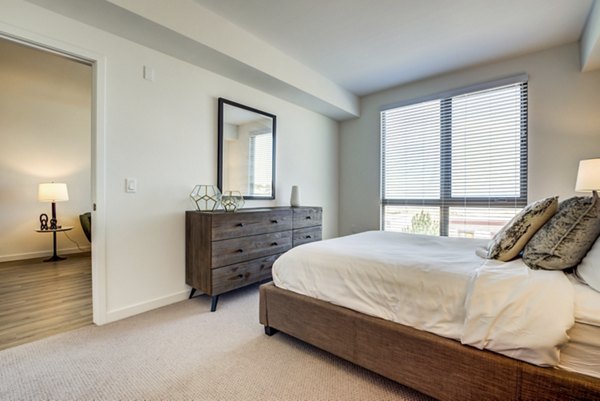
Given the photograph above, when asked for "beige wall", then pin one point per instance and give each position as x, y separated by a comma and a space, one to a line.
164, 133
45, 134
564, 127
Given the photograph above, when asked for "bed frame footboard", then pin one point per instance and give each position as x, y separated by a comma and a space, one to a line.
437, 366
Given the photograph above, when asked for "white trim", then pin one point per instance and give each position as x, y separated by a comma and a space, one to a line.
131, 310
98, 151
513, 79
99, 285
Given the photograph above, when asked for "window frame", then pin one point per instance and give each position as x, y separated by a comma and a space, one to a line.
445, 200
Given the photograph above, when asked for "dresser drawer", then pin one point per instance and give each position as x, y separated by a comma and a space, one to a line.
243, 224
236, 250
306, 235
307, 216
235, 276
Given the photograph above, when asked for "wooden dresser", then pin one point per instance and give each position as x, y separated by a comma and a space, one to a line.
225, 251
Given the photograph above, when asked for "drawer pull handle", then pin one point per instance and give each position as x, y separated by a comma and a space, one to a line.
274, 243
240, 276
240, 224
308, 217
274, 221
308, 236
240, 251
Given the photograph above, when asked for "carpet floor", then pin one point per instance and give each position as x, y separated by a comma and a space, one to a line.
185, 352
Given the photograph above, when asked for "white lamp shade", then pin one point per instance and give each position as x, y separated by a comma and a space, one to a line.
588, 176
53, 192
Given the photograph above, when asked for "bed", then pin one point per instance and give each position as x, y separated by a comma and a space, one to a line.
470, 346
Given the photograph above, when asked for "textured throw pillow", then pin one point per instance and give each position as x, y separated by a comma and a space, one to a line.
565, 239
588, 270
510, 240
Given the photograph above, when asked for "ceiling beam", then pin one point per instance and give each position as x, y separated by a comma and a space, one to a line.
185, 30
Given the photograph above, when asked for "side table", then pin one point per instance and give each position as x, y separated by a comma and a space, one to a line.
54, 257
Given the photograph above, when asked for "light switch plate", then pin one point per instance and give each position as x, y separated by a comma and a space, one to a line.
131, 185
148, 73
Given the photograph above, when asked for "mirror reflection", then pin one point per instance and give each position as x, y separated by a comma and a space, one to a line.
246, 150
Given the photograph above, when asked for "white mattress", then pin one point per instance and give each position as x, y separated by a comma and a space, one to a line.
383, 274
582, 353
439, 285
587, 303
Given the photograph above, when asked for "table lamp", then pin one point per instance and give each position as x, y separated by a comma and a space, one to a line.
53, 192
588, 176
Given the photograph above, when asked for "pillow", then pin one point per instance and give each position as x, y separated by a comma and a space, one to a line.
510, 240
588, 270
565, 239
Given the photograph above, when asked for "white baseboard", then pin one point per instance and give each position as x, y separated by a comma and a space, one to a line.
128, 311
42, 254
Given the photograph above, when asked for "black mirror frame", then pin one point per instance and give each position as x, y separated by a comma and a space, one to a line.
222, 102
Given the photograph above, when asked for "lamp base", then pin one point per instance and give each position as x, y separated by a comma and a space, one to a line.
54, 258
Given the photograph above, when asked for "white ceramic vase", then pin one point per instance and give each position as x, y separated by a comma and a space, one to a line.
295, 198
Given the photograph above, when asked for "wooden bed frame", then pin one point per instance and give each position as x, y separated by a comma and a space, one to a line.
437, 366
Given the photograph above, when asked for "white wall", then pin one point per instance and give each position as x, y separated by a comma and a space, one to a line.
164, 133
45, 132
564, 127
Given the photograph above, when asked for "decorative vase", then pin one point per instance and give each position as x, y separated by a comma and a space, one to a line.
295, 198
206, 197
232, 201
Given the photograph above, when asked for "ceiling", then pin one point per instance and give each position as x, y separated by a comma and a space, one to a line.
324, 55
366, 46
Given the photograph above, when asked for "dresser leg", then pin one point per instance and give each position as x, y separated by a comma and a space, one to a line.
270, 331
213, 304
192, 293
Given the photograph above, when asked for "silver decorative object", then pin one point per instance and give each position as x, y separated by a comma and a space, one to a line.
232, 201
206, 197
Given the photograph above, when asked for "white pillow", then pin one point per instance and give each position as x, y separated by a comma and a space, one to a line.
589, 269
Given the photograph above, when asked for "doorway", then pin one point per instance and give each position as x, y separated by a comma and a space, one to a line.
46, 113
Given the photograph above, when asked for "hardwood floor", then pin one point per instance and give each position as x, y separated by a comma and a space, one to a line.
39, 299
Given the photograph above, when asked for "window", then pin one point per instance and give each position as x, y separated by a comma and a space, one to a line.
261, 150
456, 164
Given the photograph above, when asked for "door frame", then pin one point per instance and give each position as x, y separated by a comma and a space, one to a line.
98, 151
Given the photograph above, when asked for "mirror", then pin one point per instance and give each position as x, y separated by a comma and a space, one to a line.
246, 160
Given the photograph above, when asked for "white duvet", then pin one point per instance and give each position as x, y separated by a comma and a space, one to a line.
440, 285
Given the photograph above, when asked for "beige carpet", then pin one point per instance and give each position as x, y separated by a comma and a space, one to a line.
184, 352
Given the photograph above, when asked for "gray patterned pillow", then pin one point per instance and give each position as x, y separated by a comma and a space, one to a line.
510, 240
567, 236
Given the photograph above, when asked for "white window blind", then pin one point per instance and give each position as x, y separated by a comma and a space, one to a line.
455, 165
261, 152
